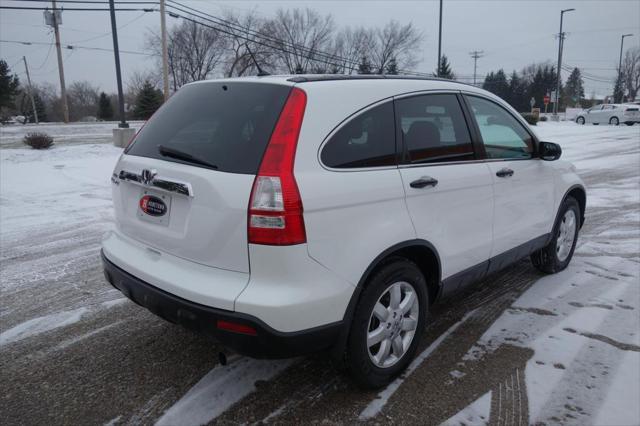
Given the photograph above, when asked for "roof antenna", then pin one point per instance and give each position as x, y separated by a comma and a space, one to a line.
261, 72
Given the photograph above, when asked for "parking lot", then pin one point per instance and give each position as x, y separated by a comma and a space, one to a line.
518, 348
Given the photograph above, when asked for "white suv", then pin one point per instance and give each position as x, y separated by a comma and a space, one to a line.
291, 214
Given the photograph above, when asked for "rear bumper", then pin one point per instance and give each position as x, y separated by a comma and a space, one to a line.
266, 343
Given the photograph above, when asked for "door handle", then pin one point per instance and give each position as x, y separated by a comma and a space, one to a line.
505, 172
423, 182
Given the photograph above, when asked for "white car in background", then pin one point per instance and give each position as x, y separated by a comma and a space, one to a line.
613, 114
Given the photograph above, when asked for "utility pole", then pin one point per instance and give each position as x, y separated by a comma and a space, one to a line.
30, 89
116, 52
476, 54
63, 88
165, 55
560, 46
620, 62
439, 42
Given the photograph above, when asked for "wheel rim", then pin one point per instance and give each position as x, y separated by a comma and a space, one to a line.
393, 324
566, 235
580, 120
615, 121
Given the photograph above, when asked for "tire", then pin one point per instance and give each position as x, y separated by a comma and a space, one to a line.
397, 274
558, 253
629, 123
580, 120
614, 121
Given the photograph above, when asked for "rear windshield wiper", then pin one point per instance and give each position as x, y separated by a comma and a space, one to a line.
184, 156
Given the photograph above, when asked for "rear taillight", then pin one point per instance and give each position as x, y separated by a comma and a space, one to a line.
275, 207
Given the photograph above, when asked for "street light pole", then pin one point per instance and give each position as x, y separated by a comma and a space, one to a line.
560, 46
439, 42
620, 62
116, 52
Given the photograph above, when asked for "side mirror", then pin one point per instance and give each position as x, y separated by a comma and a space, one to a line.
549, 151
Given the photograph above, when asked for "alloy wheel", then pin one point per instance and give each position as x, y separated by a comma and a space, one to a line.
566, 235
392, 324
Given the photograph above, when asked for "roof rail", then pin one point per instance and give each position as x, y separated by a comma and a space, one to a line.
333, 77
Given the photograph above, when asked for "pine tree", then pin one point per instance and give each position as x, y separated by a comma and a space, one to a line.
444, 69
365, 66
149, 99
392, 67
574, 89
9, 88
618, 90
105, 110
518, 93
27, 108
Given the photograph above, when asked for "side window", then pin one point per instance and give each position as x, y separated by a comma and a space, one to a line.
503, 136
433, 129
368, 140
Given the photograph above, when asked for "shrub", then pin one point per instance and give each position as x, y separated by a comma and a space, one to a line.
530, 118
38, 140
544, 118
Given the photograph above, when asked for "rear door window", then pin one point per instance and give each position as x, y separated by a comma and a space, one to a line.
368, 140
225, 124
433, 129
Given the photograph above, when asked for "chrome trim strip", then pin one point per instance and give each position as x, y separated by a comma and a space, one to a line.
181, 188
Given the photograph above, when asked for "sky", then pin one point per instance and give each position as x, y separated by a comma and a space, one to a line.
512, 34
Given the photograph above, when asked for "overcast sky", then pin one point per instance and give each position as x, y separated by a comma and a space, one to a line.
512, 34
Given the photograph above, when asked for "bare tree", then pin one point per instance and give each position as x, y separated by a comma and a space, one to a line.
246, 30
395, 41
83, 99
350, 45
631, 72
194, 52
302, 37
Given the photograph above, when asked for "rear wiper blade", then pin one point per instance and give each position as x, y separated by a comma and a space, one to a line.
184, 156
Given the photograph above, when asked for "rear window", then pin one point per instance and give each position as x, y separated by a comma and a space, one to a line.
225, 124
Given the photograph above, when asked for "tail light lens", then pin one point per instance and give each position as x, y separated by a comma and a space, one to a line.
275, 209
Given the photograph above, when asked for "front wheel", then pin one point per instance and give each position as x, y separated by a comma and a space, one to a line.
629, 123
558, 253
614, 121
580, 120
387, 324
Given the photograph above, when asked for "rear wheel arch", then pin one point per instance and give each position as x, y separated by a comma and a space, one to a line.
580, 195
418, 251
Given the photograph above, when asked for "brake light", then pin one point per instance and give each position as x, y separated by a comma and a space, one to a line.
275, 206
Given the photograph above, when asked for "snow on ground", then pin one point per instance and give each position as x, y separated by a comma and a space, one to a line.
220, 389
72, 133
582, 324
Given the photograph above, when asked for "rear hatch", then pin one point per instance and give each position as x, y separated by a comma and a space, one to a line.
183, 185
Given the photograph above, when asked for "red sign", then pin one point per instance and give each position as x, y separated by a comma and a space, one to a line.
546, 99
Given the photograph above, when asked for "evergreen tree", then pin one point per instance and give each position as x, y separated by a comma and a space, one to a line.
518, 93
27, 108
574, 89
392, 67
618, 90
543, 82
365, 66
444, 69
9, 87
105, 110
149, 99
